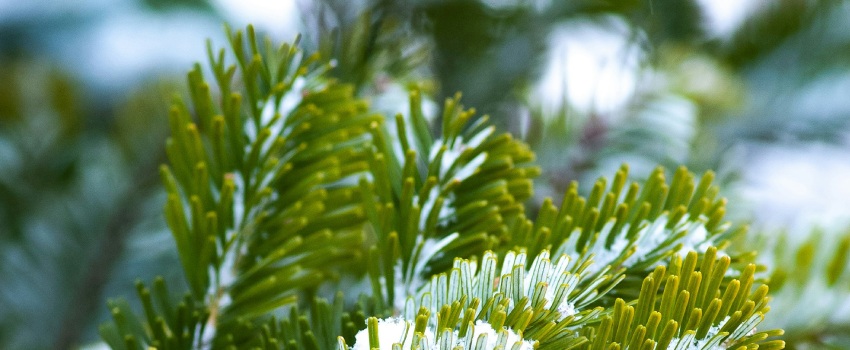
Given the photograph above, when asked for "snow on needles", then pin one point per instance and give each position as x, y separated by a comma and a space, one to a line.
395, 330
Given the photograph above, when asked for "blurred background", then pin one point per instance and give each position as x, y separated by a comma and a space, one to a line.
757, 91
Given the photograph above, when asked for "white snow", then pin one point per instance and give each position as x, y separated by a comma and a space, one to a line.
390, 331
690, 343
395, 330
482, 327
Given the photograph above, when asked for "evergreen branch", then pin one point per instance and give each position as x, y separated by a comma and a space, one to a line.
514, 306
694, 310
271, 194
165, 325
319, 329
262, 191
438, 198
632, 228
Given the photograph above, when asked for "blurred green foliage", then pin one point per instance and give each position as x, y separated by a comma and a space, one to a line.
75, 194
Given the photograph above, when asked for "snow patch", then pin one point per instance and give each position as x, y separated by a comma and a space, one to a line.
483, 328
395, 330
391, 331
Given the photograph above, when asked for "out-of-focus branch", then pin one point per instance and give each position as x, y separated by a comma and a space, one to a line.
89, 295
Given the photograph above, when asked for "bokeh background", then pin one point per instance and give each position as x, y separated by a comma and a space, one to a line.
757, 91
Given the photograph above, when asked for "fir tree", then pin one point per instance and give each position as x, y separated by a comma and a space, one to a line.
283, 184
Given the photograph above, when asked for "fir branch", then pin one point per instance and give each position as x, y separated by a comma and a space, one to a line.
686, 305
435, 198
270, 194
262, 191
530, 306
631, 228
164, 326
